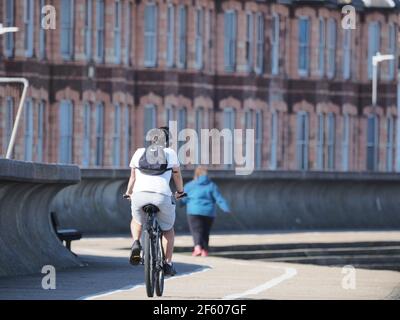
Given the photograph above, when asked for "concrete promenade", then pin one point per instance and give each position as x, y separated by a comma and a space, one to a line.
108, 275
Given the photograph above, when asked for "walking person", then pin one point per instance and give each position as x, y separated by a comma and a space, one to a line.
202, 196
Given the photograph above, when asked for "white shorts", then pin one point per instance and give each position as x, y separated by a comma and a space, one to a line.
166, 204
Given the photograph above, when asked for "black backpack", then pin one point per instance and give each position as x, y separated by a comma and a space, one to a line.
154, 161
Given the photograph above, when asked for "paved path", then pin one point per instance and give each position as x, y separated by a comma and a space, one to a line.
109, 275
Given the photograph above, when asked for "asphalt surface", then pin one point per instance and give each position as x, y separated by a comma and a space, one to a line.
108, 274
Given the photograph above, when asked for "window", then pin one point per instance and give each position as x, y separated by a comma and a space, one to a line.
150, 121
275, 44
230, 40
249, 40
127, 136
320, 142
392, 50
199, 38
40, 131
99, 134
259, 139
170, 36
99, 30
182, 37
346, 54
274, 140
331, 131
150, 35
169, 115
42, 32
321, 47
28, 130
372, 142
345, 142
128, 34
88, 29
374, 44
210, 39
28, 25
331, 48
9, 22
198, 126
302, 140
304, 50
9, 117
389, 143
117, 32
248, 119
229, 123
66, 131
260, 44
182, 123
67, 24
86, 135
117, 136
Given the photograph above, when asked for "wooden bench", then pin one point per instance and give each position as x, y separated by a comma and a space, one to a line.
65, 235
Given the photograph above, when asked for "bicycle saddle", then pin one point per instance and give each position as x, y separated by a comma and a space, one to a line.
150, 208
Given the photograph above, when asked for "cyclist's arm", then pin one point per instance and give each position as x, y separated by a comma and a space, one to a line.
177, 176
131, 182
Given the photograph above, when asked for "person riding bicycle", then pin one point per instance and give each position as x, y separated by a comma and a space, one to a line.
147, 187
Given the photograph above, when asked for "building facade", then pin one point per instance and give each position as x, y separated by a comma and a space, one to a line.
113, 69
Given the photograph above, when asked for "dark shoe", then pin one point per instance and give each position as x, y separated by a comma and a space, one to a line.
169, 269
135, 253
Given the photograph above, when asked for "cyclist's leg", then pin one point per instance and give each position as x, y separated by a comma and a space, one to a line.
136, 230
168, 244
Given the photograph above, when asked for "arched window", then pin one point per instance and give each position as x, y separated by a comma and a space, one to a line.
66, 130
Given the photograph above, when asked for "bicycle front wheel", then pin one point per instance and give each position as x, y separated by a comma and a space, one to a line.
149, 264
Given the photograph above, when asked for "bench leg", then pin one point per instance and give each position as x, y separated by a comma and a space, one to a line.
68, 244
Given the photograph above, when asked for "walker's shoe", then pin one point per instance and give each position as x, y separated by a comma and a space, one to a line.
169, 269
135, 253
204, 253
196, 251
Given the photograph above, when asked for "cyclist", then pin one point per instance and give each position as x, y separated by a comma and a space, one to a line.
154, 189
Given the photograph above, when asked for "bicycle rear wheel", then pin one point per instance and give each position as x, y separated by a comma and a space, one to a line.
160, 268
149, 264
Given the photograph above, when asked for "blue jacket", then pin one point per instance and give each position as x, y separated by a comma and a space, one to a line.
203, 194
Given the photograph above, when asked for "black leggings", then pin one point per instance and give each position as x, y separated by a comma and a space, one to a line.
200, 227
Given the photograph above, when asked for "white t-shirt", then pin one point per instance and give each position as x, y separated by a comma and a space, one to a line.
158, 184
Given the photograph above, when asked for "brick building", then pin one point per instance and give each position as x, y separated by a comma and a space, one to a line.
114, 68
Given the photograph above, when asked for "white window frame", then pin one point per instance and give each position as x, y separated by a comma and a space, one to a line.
199, 30
275, 44
182, 37
249, 45
170, 35
259, 67
346, 141
150, 35
9, 20
274, 140
116, 158
99, 156
321, 46
331, 140
40, 130
303, 47
9, 121
117, 31
347, 40
390, 123
86, 141
259, 130
67, 31
392, 37
100, 30
302, 143
28, 27
28, 137
230, 36
374, 43
373, 145
321, 141
88, 29
66, 122
331, 44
